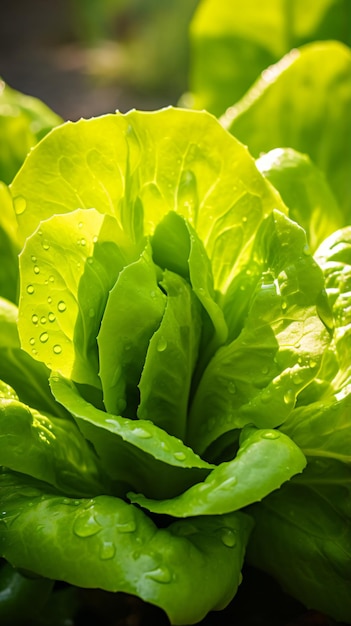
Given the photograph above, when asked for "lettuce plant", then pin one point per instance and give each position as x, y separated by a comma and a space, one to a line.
185, 330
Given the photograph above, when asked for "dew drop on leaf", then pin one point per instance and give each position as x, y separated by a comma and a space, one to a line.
35, 319
127, 527
30, 289
32, 341
289, 396
160, 575
228, 538
57, 348
44, 337
271, 434
162, 344
107, 551
51, 317
36, 269
86, 525
20, 205
43, 319
142, 433
61, 306
180, 456
45, 244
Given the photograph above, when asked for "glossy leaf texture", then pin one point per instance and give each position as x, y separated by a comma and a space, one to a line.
105, 543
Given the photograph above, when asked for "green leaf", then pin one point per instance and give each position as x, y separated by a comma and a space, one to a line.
138, 167
134, 452
48, 448
257, 377
9, 247
109, 544
23, 122
28, 377
170, 360
265, 460
287, 108
305, 192
232, 42
67, 268
302, 537
133, 312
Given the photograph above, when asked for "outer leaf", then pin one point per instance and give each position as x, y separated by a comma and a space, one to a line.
109, 544
67, 268
9, 247
288, 107
28, 377
302, 537
139, 167
23, 122
136, 452
305, 192
232, 42
264, 461
49, 448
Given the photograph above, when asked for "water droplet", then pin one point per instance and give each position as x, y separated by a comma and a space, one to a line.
49, 299
44, 337
231, 387
142, 433
270, 434
51, 279
284, 305
160, 575
244, 220
20, 205
289, 396
86, 525
265, 370
312, 363
95, 239
90, 260
32, 341
57, 348
228, 537
80, 225
162, 344
43, 319
107, 551
51, 317
91, 312
45, 244
30, 289
61, 306
127, 527
34, 258
36, 269
35, 318
180, 456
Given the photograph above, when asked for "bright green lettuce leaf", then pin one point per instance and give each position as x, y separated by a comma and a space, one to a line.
302, 537
171, 358
295, 104
232, 42
106, 543
305, 192
138, 167
9, 247
334, 257
47, 447
136, 452
24, 120
22, 598
257, 377
265, 459
133, 312
67, 268
28, 377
